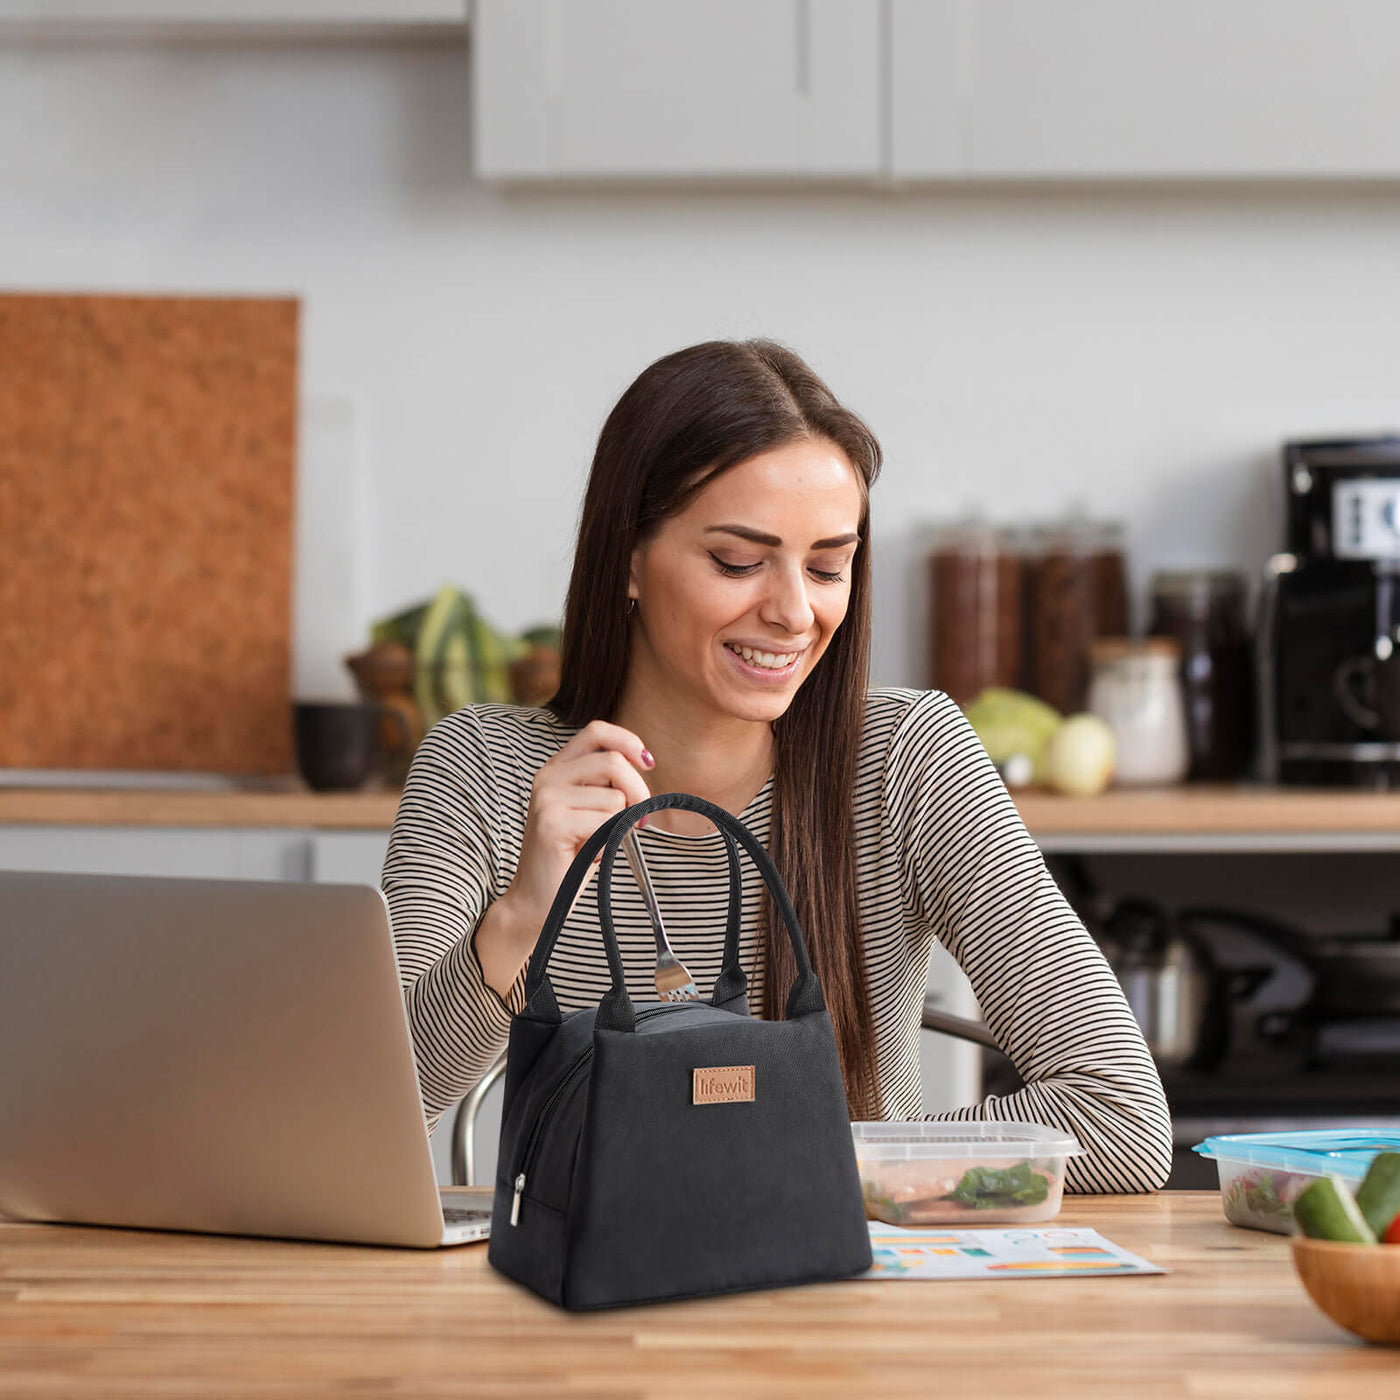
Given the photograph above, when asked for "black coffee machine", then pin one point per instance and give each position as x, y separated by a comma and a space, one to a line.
1329, 621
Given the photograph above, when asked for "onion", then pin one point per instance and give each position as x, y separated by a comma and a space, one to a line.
1080, 756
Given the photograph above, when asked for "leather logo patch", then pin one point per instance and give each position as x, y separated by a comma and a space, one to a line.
724, 1084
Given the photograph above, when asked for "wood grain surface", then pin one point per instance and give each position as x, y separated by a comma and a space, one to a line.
147, 451
87, 1312
1205, 808
350, 811
1221, 810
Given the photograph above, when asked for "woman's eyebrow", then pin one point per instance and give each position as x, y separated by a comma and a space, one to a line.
758, 537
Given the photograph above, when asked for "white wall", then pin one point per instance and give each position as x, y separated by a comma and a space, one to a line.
1142, 352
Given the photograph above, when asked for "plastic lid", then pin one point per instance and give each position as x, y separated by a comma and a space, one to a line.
1345, 1152
970, 1139
971, 535
1076, 533
1105, 651
1202, 584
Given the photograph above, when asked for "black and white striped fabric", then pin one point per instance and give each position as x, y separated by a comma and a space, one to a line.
942, 853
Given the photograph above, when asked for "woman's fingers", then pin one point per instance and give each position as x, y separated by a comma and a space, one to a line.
594, 776
599, 734
600, 770
607, 800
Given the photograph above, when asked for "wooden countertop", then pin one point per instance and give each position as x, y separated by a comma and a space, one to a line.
87, 1312
1207, 808
1191, 811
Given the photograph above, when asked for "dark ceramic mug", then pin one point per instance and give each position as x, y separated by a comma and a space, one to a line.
337, 743
1378, 705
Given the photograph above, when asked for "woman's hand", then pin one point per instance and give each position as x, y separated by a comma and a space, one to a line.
593, 777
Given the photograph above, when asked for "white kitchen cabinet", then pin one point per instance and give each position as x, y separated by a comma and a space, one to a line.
212, 853
348, 857
671, 88
1109, 89
204, 853
928, 71
233, 12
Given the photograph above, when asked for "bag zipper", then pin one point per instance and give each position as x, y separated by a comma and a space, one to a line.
578, 1066
537, 1128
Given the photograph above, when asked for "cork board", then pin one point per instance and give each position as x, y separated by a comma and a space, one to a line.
146, 492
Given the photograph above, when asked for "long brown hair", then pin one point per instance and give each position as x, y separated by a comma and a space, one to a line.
683, 421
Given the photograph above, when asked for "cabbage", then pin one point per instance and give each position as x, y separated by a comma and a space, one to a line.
1013, 725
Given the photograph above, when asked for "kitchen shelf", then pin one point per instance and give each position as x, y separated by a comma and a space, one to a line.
1185, 819
1214, 819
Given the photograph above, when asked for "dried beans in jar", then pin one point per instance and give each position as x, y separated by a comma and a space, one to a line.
1077, 591
975, 602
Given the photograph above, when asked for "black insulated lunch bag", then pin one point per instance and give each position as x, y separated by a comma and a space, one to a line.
673, 1149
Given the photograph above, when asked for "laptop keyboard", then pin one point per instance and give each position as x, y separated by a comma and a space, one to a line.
463, 1215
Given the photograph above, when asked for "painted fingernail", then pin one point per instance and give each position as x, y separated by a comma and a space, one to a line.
648, 759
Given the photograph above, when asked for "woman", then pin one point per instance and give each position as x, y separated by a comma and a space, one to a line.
717, 641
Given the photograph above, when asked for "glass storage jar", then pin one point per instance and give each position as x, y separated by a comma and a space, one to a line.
1203, 611
975, 605
1110, 579
1076, 591
1136, 691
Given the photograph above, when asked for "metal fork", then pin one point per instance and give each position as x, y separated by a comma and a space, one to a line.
673, 981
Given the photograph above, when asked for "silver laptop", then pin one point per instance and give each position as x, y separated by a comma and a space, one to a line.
216, 1055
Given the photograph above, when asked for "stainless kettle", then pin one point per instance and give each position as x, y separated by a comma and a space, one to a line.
1178, 994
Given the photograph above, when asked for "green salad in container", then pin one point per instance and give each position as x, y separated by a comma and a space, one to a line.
930, 1173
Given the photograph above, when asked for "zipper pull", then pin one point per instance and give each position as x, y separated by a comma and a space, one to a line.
515, 1204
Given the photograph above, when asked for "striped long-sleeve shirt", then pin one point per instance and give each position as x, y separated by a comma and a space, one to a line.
941, 853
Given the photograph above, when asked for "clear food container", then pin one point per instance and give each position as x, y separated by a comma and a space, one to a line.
921, 1173
1261, 1174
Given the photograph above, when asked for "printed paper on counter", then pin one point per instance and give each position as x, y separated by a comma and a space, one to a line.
933, 1253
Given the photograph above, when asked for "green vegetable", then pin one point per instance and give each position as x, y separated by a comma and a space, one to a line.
490, 658
1326, 1210
987, 1188
880, 1206
402, 627
545, 635
1378, 1196
460, 659
442, 683
1010, 722
1256, 1200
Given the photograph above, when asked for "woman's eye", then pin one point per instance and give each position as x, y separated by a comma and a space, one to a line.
733, 570
743, 570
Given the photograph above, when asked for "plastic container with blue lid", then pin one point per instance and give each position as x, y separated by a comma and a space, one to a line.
1261, 1174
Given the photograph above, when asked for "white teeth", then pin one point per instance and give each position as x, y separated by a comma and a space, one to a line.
769, 660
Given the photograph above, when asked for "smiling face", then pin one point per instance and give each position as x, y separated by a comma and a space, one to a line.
739, 595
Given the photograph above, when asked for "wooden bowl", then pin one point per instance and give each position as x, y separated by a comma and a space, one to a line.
1356, 1285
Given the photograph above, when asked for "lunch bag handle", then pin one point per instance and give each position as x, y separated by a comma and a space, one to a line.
615, 1010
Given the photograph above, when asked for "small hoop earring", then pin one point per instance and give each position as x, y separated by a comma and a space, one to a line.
631, 606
